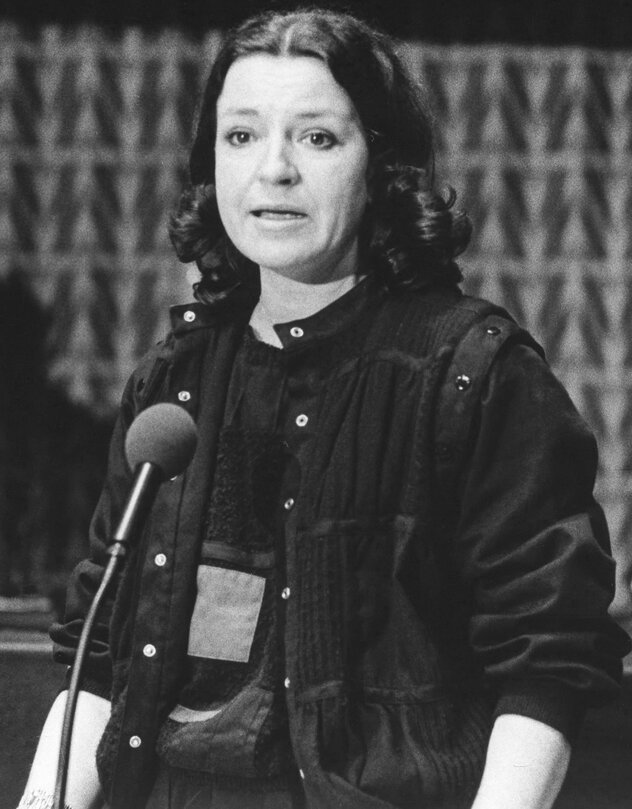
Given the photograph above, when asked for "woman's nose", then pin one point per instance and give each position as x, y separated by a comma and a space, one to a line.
277, 164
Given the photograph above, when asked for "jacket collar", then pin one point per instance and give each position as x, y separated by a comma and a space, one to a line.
238, 306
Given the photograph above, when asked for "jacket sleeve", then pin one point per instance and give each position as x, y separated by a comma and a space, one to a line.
532, 546
87, 575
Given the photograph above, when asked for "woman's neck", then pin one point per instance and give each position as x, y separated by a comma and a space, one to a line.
283, 299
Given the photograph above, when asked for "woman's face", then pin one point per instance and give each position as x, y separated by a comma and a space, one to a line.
291, 163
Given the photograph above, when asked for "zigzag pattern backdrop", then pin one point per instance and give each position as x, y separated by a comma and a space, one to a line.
94, 130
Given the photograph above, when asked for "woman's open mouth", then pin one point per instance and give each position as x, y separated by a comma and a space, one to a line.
277, 215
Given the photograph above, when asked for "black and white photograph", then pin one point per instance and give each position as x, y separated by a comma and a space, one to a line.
316, 411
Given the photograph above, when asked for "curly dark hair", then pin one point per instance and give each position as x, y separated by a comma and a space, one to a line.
410, 234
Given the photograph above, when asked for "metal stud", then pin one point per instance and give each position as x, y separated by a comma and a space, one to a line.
462, 382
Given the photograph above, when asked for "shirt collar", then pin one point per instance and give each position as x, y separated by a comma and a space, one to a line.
294, 334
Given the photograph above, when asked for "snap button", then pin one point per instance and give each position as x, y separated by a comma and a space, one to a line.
285, 593
296, 331
289, 504
184, 396
287, 682
149, 650
189, 316
494, 331
160, 560
301, 420
462, 382
135, 741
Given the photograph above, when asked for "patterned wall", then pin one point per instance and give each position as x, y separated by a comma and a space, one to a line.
94, 130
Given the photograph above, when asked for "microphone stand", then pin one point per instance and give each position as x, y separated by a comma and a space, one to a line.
136, 508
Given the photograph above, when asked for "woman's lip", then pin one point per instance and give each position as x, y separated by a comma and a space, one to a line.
278, 215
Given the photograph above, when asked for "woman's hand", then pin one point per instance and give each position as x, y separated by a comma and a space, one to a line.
83, 790
525, 767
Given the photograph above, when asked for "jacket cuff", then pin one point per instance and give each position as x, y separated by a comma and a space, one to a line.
545, 700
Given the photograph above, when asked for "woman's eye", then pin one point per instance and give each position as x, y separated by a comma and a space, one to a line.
238, 137
321, 140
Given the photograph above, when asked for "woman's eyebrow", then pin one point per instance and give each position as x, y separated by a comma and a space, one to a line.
309, 114
241, 111
322, 113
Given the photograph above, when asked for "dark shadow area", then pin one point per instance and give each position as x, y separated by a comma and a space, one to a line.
600, 776
541, 22
52, 457
29, 684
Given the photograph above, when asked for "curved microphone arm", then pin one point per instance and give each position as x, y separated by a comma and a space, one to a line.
117, 551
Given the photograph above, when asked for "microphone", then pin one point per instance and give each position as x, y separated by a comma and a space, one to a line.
159, 445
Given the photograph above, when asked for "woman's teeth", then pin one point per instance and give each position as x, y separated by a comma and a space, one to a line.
278, 214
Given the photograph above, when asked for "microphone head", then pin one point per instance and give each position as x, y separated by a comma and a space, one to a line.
164, 435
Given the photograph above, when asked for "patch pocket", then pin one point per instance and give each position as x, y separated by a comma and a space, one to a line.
225, 615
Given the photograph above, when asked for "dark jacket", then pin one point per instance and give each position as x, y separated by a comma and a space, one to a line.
426, 598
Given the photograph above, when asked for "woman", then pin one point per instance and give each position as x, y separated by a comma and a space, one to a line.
383, 581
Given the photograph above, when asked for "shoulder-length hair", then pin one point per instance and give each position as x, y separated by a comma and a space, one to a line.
410, 234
